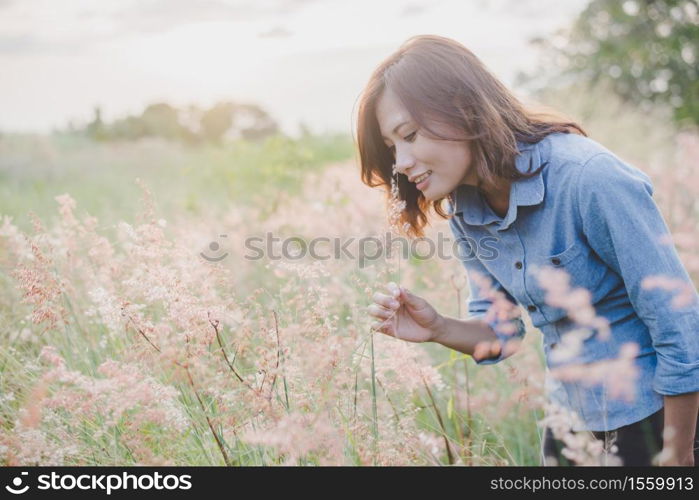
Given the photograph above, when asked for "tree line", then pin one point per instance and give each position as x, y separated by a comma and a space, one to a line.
191, 125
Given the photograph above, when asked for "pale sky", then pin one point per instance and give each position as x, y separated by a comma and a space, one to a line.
302, 60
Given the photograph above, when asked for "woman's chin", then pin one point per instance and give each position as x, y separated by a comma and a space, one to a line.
429, 194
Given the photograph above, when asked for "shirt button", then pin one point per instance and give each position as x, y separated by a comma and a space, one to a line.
555, 261
518, 265
531, 309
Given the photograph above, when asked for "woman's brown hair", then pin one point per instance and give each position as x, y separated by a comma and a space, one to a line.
439, 80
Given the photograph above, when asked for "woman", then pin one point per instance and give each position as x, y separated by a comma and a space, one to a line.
434, 120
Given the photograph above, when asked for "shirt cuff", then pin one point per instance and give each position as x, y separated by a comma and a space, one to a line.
673, 377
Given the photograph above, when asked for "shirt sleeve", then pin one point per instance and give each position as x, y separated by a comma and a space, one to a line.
478, 304
623, 225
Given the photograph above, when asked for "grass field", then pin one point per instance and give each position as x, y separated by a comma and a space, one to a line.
122, 345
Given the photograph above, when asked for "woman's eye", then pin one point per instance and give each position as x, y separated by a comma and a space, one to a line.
407, 138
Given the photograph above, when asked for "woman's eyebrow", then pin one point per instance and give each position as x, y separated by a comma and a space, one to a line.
395, 129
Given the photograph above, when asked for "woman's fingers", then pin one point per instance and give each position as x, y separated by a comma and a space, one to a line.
393, 289
383, 327
384, 309
386, 301
481, 350
379, 312
487, 350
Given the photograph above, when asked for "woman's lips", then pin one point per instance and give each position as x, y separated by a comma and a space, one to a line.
423, 185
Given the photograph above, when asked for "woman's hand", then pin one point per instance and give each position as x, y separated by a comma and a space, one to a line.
404, 315
673, 460
680, 422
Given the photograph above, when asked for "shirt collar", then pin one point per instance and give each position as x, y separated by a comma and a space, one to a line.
524, 192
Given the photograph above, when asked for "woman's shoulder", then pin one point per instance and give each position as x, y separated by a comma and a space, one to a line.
576, 149
576, 159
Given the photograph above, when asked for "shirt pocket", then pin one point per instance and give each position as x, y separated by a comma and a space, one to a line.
579, 262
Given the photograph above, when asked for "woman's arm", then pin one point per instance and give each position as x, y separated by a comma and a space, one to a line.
470, 336
681, 416
625, 228
494, 317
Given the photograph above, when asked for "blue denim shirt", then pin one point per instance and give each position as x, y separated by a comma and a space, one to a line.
592, 215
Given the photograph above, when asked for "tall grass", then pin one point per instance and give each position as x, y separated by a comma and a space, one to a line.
100, 176
121, 345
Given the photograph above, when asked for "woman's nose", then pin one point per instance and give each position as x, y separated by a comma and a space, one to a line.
404, 161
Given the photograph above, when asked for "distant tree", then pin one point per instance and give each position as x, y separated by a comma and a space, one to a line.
647, 49
215, 122
162, 120
228, 119
96, 129
190, 118
254, 123
129, 128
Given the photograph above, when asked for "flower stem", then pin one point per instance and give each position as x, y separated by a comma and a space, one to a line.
374, 409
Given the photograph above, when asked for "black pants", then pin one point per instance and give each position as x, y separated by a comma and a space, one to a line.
637, 443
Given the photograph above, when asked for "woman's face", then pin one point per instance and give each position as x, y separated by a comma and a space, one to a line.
447, 163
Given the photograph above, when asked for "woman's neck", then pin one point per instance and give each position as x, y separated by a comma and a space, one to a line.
498, 198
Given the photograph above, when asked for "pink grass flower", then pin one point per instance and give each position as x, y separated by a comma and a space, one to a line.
684, 293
